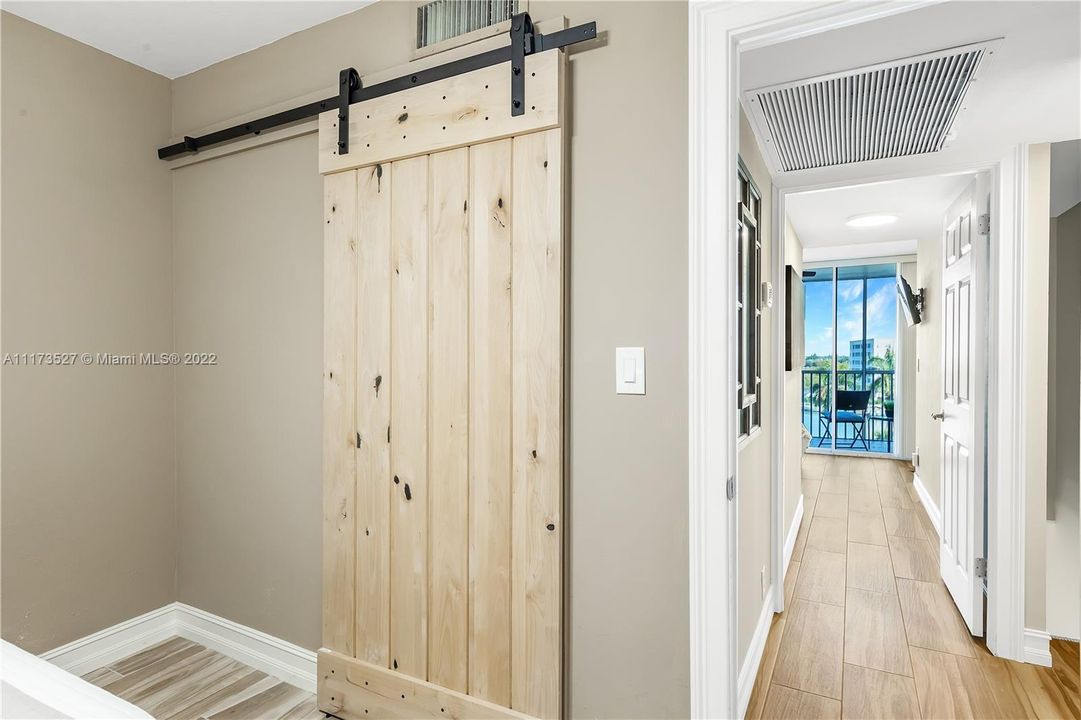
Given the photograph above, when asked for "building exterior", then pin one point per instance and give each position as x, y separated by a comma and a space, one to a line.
856, 358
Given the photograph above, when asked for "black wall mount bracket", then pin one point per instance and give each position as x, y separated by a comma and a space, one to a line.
348, 80
523, 42
521, 34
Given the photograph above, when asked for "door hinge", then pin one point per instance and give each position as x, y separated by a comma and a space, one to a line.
731, 488
983, 224
981, 567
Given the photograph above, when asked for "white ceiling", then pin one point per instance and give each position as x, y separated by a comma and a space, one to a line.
1029, 92
174, 37
919, 203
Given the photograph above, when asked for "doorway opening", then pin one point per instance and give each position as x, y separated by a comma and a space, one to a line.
792, 63
890, 314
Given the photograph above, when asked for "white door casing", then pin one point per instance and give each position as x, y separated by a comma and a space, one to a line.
963, 310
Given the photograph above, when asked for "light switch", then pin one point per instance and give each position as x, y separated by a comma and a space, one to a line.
631, 371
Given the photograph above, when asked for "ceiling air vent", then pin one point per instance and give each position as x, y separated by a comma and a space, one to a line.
903, 107
441, 20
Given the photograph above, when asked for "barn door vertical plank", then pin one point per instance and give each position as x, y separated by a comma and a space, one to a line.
339, 405
408, 418
490, 422
537, 299
373, 415
448, 423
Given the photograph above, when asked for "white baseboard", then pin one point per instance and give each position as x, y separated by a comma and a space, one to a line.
928, 504
1037, 647
113, 643
286, 661
272, 655
749, 670
790, 539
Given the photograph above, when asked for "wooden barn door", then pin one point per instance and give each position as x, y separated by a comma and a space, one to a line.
443, 403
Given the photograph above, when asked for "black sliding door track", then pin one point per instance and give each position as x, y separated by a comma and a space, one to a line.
523, 43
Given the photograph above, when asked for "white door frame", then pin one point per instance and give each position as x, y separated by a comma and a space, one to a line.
718, 32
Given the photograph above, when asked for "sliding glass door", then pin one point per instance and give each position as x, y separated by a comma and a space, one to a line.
848, 392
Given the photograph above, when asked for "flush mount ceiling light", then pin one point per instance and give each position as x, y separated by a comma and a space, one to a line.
870, 220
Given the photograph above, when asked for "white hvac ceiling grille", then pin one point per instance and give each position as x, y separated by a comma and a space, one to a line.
904, 107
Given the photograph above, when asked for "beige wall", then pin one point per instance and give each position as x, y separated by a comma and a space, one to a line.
89, 524
905, 404
929, 362
1034, 372
1064, 373
249, 242
249, 287
793, 387
755, 461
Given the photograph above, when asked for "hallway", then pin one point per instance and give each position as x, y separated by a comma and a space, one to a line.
871, 632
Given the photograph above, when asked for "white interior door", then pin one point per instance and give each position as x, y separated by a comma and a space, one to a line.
963, 308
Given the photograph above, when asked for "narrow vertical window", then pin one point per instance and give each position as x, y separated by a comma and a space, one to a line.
748, 302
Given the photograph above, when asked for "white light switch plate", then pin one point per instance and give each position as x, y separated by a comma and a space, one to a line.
631, 371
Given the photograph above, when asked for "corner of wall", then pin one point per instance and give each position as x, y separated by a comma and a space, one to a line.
103, 207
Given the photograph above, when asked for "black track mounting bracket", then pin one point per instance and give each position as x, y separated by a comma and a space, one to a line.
348, 81
521, 44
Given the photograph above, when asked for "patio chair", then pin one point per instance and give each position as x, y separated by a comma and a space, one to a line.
851, 410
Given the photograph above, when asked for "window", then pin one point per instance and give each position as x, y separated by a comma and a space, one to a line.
748, 303
852, 336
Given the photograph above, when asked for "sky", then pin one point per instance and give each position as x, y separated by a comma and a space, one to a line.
881, 315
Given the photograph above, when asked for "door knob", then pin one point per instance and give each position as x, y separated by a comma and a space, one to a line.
938, 415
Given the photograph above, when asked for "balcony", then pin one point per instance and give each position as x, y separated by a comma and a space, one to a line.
878, 430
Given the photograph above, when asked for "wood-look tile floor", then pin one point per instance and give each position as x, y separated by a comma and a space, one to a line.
181, 680
871, 632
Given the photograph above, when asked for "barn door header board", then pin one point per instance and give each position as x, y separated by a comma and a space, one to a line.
443, 418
